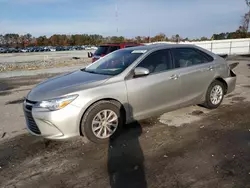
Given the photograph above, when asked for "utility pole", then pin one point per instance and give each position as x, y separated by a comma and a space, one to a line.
149, 38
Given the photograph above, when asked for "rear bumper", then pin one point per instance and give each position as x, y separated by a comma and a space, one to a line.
231, 83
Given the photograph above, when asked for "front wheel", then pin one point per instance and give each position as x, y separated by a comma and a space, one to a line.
215, 95
102, 121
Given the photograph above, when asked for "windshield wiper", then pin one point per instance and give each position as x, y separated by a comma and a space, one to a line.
94, 72
89, 71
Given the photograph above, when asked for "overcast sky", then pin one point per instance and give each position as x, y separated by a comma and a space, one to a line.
191, 18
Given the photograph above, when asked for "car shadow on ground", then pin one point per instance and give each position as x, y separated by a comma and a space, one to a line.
125, 156
126, 159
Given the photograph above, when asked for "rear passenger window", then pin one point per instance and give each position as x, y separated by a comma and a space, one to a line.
185, 57
158, 61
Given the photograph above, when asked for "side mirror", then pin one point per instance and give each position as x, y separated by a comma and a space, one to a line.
140, 71
90, 54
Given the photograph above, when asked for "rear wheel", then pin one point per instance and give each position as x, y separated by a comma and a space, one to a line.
102, 121
215, 95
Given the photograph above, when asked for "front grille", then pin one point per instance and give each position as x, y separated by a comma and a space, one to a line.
29, 104
31, 123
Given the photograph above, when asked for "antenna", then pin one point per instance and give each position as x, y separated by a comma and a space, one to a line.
116, 17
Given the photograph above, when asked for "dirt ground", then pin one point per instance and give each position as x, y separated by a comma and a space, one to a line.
188, 148
42, 60
43, 56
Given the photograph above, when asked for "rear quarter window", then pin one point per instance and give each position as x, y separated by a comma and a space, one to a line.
208, 57
185, 57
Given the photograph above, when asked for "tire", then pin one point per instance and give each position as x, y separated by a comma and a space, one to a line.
212, 104
91, 114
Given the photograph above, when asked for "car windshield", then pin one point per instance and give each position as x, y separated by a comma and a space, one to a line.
114, 63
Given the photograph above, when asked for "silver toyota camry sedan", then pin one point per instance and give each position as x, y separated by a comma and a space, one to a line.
125, 86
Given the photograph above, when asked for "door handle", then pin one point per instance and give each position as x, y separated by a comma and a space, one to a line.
174, 77
210, 68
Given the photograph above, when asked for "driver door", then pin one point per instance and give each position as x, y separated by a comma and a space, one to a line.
157, 92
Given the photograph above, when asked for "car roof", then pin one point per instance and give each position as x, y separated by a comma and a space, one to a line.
158, 46
118, 44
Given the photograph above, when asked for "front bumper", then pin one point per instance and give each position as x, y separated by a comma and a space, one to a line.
60, 124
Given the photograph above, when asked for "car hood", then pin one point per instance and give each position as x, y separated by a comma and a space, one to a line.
65, 84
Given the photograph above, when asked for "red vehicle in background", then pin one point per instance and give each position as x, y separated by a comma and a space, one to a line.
105, 49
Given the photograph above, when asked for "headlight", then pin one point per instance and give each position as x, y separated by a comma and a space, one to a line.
56, 104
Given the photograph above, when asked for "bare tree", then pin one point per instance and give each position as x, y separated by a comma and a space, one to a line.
2, 41
245, 20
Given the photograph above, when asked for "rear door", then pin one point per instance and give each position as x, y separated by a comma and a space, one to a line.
196, 73
157, 92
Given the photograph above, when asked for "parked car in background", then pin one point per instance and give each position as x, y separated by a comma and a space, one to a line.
94, 48
59, 48
40, 49
11, 50
34, 49
105, 49
46, 48
43, 49
79, 48
87, 48
29, 49
3, 50
52, 49
24, 50
124, 86
67, 48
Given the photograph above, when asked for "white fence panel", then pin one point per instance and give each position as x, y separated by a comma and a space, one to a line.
230, 47
207, 46
240, 47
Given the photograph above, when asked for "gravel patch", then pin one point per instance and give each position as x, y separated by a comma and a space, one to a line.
34, 65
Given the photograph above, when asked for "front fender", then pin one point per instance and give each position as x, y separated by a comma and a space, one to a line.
116, 91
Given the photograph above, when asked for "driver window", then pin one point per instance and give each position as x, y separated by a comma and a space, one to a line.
158, 61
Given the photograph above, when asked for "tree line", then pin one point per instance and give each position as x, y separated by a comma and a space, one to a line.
16, 40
